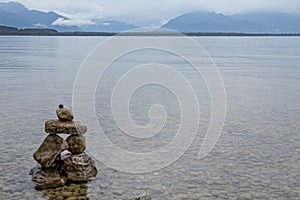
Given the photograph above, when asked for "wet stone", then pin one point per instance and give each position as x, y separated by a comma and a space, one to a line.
64, 114
79, 167
68, 127
50, 150
47, 178
76, 144
60, 159
60, 198
67, 194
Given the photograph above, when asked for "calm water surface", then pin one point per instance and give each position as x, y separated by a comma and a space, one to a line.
256, 157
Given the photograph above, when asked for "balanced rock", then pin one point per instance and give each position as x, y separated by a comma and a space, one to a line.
50, 150
47, 178
55, 126
76, 144
64, 114
80, 167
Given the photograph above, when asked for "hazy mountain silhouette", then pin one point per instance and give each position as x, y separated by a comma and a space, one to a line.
202, 21
15, 14
272, 22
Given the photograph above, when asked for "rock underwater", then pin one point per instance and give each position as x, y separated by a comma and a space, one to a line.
47, 178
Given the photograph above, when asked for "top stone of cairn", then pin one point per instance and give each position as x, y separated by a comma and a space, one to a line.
64, 114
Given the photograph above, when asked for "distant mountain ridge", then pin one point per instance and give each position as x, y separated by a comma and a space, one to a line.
272, 22
16, 15
203, 21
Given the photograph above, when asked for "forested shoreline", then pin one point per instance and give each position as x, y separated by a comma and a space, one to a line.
11, 31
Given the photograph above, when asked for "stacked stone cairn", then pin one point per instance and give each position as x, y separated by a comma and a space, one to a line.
62, 160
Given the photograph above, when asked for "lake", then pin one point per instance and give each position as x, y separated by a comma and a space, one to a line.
256, 157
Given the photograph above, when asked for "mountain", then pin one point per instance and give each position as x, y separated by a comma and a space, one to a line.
15, 14
202, 21
108, 26
273, 22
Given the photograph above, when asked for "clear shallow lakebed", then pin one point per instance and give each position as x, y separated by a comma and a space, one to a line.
256, 157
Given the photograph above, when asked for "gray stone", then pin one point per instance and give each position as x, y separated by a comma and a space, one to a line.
47, 178
54, 126
64, 114
65, 154
79, 167
76, 144
50, 150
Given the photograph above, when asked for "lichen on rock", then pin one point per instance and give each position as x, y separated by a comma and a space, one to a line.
64, 114
50, 150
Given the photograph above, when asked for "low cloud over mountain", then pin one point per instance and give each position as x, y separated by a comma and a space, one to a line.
15, 14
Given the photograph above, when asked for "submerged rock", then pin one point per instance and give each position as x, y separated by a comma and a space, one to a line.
79, 167
69, 191
50, 150
64, 114
47, 178
54, 126
143, 197
76, 144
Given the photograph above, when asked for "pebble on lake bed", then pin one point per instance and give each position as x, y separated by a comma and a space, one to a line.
143, 197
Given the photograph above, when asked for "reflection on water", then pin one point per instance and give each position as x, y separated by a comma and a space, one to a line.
257, 156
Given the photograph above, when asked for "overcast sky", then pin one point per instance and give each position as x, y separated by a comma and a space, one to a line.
152, 12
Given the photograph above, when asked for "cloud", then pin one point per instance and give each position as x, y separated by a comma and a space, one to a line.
163, 22
39, 25
67, 22
77, 11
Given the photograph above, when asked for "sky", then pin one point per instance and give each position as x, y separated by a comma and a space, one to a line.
151, 12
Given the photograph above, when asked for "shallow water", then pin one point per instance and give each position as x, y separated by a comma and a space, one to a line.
256, 157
